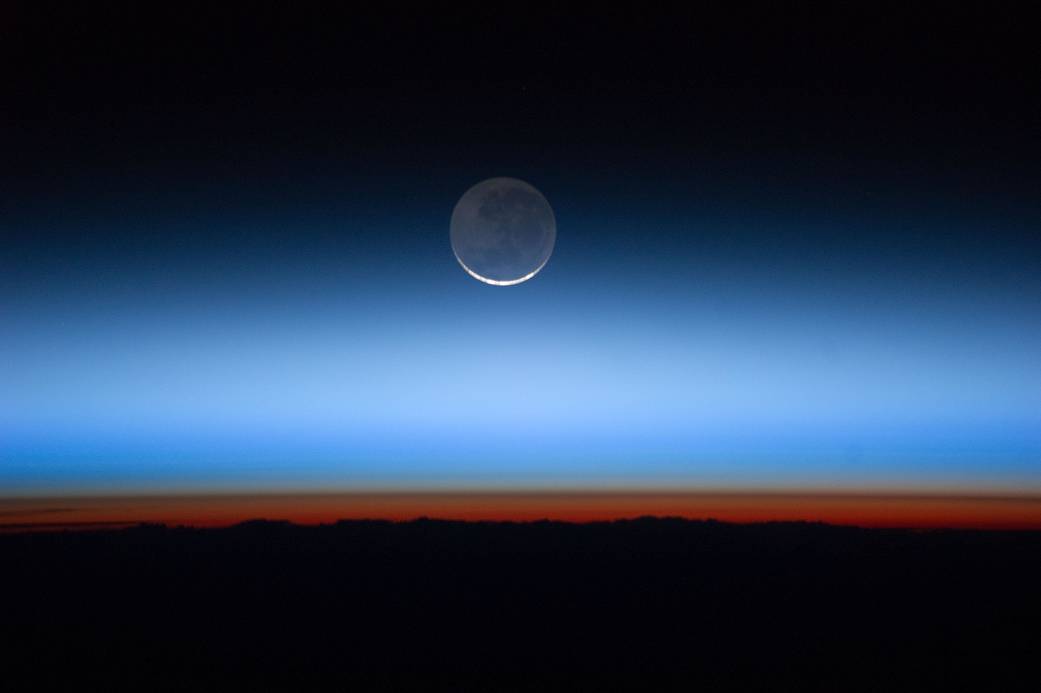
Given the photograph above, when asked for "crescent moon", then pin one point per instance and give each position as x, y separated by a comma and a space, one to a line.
503, 231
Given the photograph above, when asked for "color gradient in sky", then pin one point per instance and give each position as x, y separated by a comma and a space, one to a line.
753, 291
663, 343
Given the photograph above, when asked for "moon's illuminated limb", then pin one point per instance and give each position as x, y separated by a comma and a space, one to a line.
496, 282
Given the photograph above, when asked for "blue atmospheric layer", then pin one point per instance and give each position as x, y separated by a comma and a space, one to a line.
714, 348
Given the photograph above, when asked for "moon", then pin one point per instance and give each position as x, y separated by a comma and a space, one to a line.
503, 231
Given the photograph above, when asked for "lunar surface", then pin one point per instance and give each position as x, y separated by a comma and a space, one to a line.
503, 231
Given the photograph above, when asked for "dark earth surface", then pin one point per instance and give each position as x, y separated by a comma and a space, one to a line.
643, 604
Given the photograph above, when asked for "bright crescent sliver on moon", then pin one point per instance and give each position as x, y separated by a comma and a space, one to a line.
496, 282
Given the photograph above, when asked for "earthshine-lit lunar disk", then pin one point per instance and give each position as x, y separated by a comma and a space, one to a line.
502, 231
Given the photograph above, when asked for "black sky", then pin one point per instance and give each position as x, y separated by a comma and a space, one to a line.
811, 94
